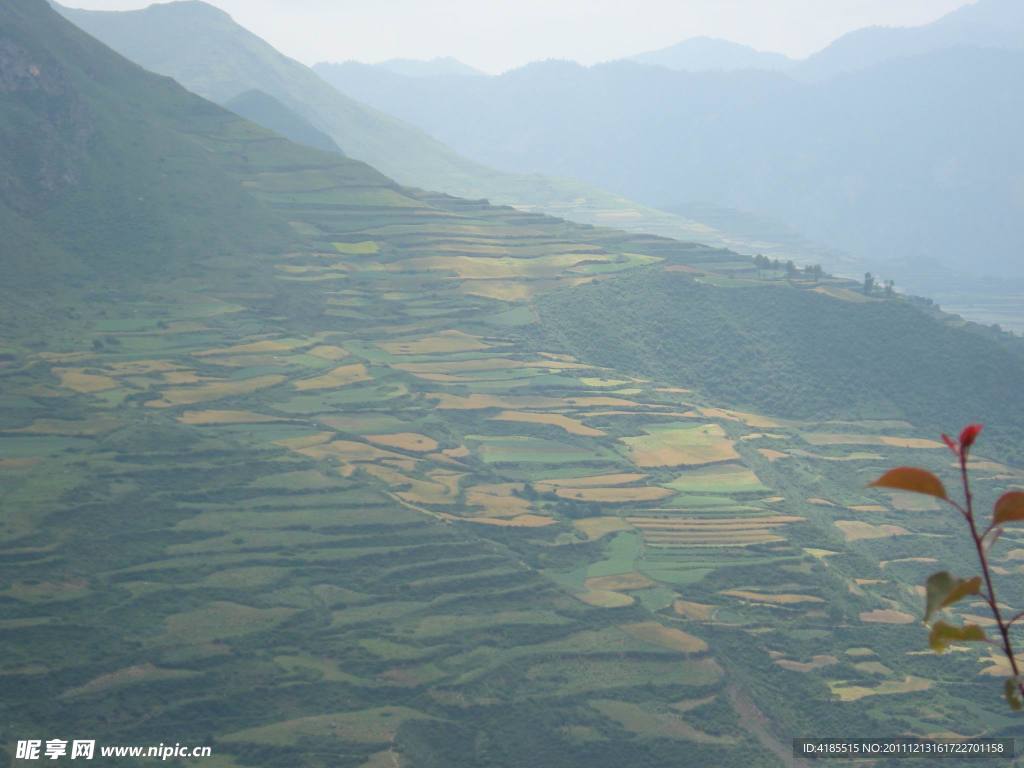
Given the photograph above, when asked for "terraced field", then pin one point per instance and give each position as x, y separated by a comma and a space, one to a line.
345, 505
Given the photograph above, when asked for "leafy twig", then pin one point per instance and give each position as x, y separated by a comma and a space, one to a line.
943, 589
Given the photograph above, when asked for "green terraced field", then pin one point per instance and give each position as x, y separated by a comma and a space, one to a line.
347, 572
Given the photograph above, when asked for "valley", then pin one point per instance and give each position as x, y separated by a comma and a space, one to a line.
358, 474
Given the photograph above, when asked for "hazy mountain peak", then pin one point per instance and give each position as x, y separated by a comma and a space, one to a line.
701, 54
984, 24
187, 6
439, 66
554, 66
182, 8
187, 40
982, 9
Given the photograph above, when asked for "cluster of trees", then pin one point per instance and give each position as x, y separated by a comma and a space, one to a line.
567, 508
871, 284
815, 272
809, 271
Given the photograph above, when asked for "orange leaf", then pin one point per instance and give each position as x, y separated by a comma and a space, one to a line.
913, 480
1009, 508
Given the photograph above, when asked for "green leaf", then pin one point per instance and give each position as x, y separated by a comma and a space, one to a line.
1012, 689
913, 480
1009, 508
944, 590
944, 634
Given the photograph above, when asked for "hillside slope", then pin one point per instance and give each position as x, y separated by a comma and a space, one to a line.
109, 167
263, 109
342, 502
202, 48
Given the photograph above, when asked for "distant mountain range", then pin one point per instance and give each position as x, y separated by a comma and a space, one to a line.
704, 54
438, 67
986, 23
910, 159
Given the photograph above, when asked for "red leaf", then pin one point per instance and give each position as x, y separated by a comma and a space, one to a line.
913, 480
950, 443
969, 435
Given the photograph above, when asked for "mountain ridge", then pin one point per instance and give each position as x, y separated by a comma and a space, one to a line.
440, 66
985, 23
702, 54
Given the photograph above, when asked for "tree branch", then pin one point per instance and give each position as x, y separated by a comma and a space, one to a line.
979, 545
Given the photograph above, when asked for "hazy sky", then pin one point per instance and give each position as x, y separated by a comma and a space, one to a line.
495, 35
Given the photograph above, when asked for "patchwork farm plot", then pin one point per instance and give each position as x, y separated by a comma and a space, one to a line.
354, 480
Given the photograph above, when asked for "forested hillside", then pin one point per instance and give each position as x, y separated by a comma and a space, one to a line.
796, 353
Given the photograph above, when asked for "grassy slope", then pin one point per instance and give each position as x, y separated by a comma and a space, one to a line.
263, 109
